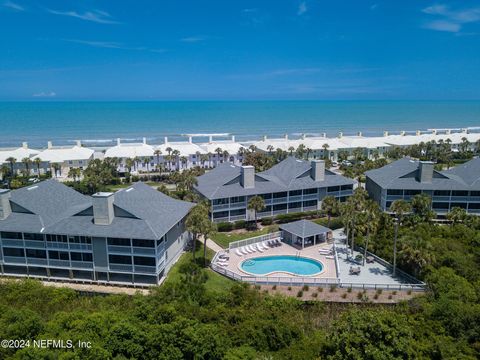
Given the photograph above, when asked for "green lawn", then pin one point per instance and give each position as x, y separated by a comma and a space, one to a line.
215, 283
225, 238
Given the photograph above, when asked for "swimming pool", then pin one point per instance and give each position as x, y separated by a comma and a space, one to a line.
291, 264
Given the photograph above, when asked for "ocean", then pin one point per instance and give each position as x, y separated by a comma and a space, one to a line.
100, 123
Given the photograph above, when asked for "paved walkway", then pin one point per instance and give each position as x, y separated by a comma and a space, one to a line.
212, 245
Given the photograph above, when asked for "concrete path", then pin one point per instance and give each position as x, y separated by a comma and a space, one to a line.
212, 245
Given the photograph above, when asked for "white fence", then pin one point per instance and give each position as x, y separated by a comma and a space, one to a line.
254, 240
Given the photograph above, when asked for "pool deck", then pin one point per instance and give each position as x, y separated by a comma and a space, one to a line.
370, 273
285, 249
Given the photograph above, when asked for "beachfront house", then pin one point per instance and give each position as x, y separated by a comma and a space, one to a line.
134, 157
220, 151
60, 159
291, 186
180, 155
405, 178
13, 158
50, 231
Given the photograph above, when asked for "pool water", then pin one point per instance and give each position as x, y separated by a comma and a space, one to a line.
282, 263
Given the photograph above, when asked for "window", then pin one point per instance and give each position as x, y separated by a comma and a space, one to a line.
159, 241
57, 238
80, 239
220, 201
279, 207
460, 205
30, 236
266, 196
394, 192
310, 203
279, 195
237, 199
237, 212
220, 214
143, 260
34, 253
143, 243
295, 193
120, 259
474, 193
118, 241
440, 205
412, 192
58, 255
459, 193
475, 206
346, 187
310, 191
13, 252
11, 235
78, 256
333, 188
295, 205
441, 193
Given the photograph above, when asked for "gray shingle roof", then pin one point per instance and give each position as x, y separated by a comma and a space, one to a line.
304, 228
401, 174
290, 174
55, 208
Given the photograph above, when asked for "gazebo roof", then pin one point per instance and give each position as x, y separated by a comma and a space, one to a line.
304, 228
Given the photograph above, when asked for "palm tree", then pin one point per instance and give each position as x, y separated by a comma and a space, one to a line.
11, 160
129, 164
330, 207
183, 161
38, 162
209, 159
225, 155
198, 223
176, 157
26, 162
253, 148
422, 206
74, 173
270, 149
219, 152
325, 151
291, 149
300, 151
457, 215
136, 160
4, 170
372, 214
204, 159
56, 168
400, 208
146, 162
256, 203
157, 153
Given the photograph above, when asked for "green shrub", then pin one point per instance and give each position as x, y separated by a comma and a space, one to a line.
267, 221
379, 291
394, 292
390, 297
349, 289
314, 295
305, 288
289, 288
240, 224
375, 296
333, 288
224, 227
274, 287
300, 294
344, 295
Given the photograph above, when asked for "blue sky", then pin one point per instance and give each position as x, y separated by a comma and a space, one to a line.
228, 49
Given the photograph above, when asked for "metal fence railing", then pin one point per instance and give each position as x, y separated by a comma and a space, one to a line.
256, 239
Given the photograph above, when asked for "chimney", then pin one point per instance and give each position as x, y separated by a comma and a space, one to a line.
25, 145
425, 171
79, 143
210, 138
103, 212
324, 135
5, 208
385, 133
434, 132
340, 134
233, 138
303, 136
418, 133
286, 136
49, 145
190, 139
317, 172
448, 132
465, 131
118, 141
264, 137
165, 140
402, 133
247, 177
359, 133
144, 140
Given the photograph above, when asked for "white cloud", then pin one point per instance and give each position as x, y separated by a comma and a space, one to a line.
98, 16
45, 94
193, 39
450, 20
13, 6
302, 8
113, 45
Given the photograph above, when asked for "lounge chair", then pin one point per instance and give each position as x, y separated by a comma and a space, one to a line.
259, 248
355, 270
329, 257
237, 251
252, 248
244, 251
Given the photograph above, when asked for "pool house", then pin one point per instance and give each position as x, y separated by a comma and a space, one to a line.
304, 233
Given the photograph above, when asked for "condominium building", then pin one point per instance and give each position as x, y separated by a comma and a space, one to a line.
51, 231
405, 178
293, 185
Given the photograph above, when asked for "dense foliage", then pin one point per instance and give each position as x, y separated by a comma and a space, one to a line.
186, 319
